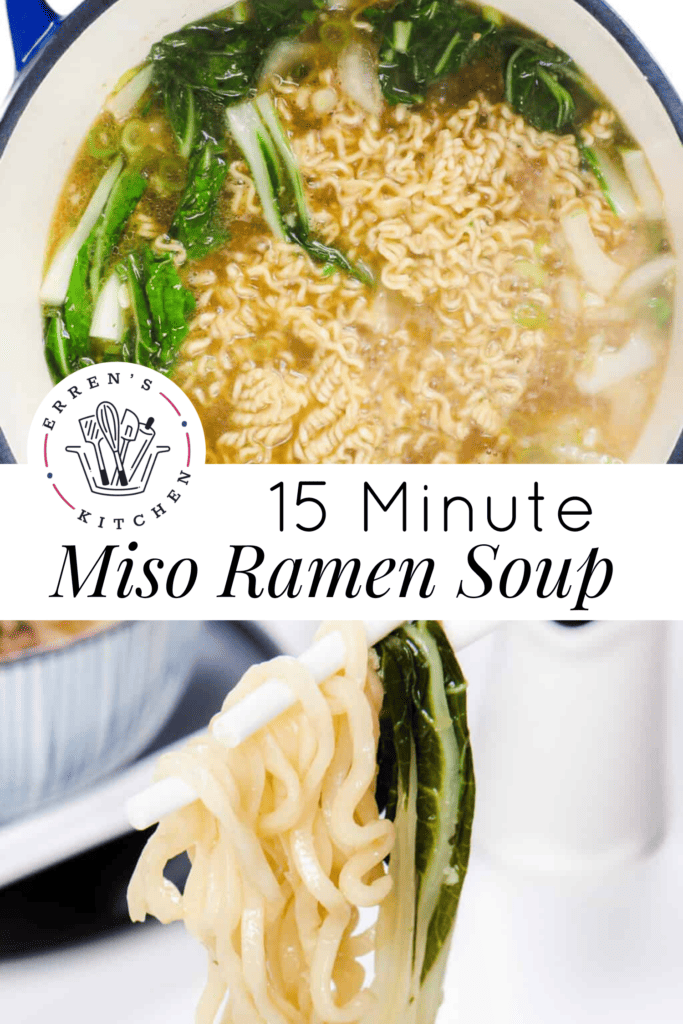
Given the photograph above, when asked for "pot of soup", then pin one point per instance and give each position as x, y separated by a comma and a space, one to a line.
365, 233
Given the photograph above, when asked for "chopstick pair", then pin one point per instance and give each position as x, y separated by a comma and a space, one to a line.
268, 702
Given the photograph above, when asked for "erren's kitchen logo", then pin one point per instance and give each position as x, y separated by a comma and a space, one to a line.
118, 445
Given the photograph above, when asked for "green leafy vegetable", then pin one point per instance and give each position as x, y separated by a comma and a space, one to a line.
536, 85
125, 196
78, 307
425, 760
214, 63
160, 306
142, 349
423, 40
197, 224
170, 305
68, 344
57, 345
331, 258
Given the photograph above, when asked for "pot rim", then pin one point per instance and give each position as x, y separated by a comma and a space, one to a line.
69, 30
92, 637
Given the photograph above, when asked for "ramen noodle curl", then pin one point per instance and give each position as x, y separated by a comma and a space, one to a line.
286, 845
445, 207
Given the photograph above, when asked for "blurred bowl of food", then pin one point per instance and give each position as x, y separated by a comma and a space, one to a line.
79, 700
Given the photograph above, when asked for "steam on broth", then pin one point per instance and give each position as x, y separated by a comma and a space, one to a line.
393, 254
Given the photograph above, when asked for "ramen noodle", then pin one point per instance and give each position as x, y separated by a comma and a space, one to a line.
499, 291
290, 835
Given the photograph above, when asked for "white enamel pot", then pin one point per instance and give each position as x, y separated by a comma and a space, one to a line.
75, 63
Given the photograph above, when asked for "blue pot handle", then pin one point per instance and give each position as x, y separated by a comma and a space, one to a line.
31, 23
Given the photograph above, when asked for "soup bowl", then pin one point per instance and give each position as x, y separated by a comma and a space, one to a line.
69, 67
70, 715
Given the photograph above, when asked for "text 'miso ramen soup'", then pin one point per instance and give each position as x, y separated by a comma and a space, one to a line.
393, 233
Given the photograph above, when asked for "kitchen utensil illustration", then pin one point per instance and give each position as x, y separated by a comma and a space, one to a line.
93, 435
130, 426
110, 425
126, 447
149, 434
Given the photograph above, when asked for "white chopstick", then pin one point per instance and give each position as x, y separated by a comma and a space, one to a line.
268, 702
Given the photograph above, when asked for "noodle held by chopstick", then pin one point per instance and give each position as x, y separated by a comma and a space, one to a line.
286, 844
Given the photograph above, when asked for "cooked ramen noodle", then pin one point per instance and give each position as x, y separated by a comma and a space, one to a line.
288, 845
19, 636
477, 269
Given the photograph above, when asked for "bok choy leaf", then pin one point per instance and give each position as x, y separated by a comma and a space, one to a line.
125, 196
211, 64
56, 283
141, 347
197, 223
170, 305
537, 80
57, 345
67, 342
160, 307
424, 40
425, 761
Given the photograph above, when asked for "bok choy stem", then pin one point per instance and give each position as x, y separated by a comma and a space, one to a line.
56, 283
426, 783
257, 130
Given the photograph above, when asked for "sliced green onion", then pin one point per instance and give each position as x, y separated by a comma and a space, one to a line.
402, 30
532, 272
531, 316
134, 137
335, 34
170, 176
103, 141
661, 311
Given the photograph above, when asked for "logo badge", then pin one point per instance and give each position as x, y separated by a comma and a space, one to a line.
118, 445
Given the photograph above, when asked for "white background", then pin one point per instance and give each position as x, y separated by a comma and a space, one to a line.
636, 524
